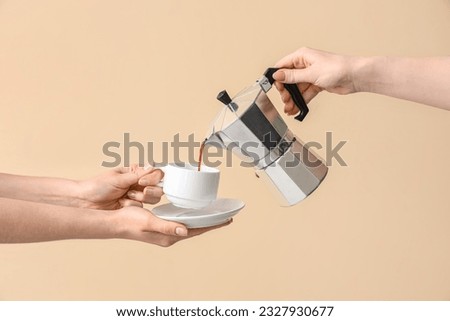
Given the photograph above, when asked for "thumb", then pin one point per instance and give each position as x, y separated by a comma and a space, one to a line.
294, 76
166, 227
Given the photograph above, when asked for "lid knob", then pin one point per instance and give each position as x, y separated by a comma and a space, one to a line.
224, 98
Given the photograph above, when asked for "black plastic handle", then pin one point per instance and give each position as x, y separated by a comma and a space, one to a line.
293, 91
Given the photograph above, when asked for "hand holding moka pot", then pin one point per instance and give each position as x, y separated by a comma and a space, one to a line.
253, 129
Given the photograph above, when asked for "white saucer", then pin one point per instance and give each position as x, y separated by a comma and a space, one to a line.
218, 212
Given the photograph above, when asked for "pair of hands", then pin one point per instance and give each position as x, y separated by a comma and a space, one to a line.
122, 192
125, 190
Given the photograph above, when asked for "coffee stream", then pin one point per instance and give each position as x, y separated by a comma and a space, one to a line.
200, 158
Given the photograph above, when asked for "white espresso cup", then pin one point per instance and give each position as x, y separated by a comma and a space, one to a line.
187, 187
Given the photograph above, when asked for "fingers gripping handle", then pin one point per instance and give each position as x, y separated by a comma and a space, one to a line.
298, 101
150, 166
293, 91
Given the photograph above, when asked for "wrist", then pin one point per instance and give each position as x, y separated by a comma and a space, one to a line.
83, 191
365, 73
116, 224
93, 224
55, 191
75, 194
108, 225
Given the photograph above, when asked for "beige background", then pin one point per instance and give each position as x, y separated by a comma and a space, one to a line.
74, 75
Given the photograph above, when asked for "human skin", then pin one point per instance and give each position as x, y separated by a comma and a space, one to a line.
422, 80
113, 189
38, 209
26, 222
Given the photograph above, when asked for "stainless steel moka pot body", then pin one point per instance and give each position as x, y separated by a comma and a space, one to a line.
252, 128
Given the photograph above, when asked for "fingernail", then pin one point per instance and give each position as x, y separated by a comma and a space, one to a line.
181, 231
279, 75
131, 194
144, 181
